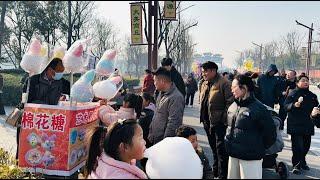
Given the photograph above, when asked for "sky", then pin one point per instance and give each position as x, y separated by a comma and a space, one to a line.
225, 27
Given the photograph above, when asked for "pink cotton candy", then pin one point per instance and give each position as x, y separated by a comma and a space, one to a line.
35, 47
116, 80
78, 51
111, 54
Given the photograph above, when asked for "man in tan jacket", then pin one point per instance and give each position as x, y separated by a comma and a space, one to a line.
215, 98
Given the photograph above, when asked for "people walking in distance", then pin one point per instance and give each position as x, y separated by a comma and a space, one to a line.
113, 152
286, 87
225, 75
251, 131
282, 96
191, 134
192, 88
215, 97
300, 104
169, 110
267, 83
148, 83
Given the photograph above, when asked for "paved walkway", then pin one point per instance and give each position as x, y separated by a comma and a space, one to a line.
191, 118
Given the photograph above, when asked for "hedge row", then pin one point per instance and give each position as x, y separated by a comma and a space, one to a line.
12, 89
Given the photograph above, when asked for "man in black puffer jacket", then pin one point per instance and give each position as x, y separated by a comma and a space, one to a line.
269, 87
250, 132
175, 75
299, 104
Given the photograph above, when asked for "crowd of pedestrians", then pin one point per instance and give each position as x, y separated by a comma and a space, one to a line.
236, 110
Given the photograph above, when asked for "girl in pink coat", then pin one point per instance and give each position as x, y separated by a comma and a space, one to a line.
123, 143
131, 109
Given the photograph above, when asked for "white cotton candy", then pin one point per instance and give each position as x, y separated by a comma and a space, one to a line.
105, 89
173, 158
32, 63
33, 58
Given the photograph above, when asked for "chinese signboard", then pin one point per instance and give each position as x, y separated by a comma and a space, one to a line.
53, 139
169, 10
136, 24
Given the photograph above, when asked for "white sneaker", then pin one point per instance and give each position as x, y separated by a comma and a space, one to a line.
191, 106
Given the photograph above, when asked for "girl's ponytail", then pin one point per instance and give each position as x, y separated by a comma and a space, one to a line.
96, 148
138, 106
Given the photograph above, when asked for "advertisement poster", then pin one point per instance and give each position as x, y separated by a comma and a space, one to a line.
53, 139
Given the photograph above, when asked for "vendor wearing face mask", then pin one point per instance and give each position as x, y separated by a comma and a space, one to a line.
46, 88
49, 86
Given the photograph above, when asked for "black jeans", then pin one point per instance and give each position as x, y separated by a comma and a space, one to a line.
216, 136
190, 95
300, 147
17, 139
282, 112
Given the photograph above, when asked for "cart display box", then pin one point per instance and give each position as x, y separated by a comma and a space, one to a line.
54, 139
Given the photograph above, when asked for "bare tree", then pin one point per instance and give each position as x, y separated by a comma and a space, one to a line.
293, 42
81, 15
21, 30
136, 55
269, 52
280, 52
104, 36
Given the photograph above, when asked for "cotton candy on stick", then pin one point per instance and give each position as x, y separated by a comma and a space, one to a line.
73, 59
105, 65
300, 99
82, 90
107, 89
32, 59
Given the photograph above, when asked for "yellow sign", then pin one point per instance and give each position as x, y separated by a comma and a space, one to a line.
248, 65
169, 10
136, 24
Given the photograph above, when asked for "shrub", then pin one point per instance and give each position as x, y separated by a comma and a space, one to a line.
12, 89
8, 169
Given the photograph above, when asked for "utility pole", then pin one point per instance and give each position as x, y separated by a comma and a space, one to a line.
149, 35
155, 36
309, 46
260, 46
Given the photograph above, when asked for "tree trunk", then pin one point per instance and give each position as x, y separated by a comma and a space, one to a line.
3, 13
70, 26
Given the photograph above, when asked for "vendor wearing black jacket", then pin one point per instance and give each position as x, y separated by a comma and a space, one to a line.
250, 132
47, 87
299, 104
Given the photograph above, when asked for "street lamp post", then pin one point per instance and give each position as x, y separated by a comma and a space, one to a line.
260, 46
309, 45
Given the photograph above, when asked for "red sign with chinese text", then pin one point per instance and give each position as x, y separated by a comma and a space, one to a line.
53, 138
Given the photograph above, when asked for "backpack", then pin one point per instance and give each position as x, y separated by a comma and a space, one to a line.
278, 144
